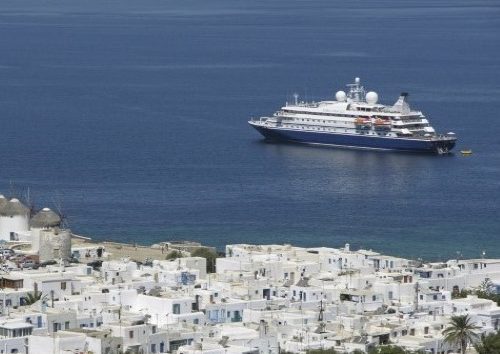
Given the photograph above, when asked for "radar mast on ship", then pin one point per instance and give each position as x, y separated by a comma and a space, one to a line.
356, 91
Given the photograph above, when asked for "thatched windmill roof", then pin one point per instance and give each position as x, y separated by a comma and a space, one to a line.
45, 218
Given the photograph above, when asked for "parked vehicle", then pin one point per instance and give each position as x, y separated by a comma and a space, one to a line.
96, 265
6, 253
28, 264
46, 263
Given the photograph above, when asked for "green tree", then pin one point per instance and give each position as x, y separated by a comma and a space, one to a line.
460, 294
486, 287
33, 297
489, 344
321, 351
174, 254
461, 331
388, 349
392, 349
207, 253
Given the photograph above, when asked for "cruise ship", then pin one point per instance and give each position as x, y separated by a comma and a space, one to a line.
355, 120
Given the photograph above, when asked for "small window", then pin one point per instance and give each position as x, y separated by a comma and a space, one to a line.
131, 334
176, 309
63, 285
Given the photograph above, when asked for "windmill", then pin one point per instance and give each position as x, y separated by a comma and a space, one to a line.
65, 227
59, 209
29, 202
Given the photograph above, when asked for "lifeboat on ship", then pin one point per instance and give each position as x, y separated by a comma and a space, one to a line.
382, 124
362, 123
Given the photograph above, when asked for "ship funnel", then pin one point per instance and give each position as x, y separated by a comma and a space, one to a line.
401, 104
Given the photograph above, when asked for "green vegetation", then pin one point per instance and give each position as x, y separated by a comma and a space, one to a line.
389, 349
489, 344
322, 351
207, 253
33, 297
174, 254
386, 349
460, 294
485, 291
461, 331
393, 349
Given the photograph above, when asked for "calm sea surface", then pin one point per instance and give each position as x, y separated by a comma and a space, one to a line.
132, 115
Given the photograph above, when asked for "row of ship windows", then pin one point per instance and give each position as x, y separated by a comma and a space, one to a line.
408, 126
334, 114
335, 130
320, 121
323, 114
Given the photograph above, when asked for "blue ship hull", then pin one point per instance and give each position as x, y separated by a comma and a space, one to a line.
437, 145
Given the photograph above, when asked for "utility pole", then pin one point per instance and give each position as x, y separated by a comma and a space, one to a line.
320, 316
417, 288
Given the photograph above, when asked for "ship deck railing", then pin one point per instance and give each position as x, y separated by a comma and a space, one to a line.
259, 120
303, 104
407, 121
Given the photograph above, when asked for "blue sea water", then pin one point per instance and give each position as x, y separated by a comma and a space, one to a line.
132, 115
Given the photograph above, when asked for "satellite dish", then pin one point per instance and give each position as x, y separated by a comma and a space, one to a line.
371, 97
340, 96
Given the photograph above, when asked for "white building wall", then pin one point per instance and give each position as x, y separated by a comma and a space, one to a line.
71, 343
13, 224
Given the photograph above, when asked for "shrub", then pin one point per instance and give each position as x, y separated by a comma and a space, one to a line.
207, 253
174, 254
